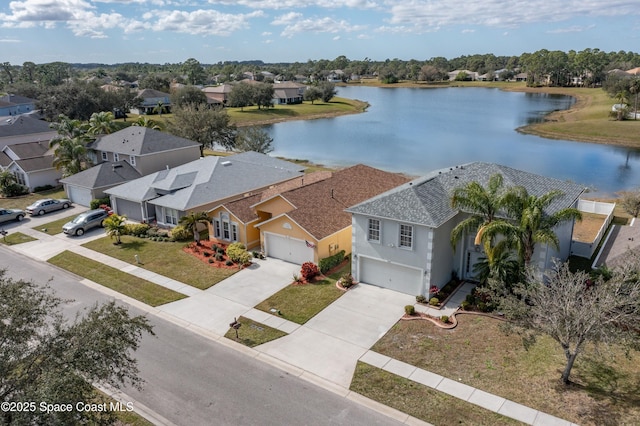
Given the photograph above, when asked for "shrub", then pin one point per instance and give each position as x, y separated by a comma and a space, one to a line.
206, 253
97, 202
434, 301
214, 247
434, 289
309, 271
409, 310
421, 298
332, 261
43, 188
229, 262
180, 233
238, 253
444, 319
296, 278
14, 190
465, 305
220, 250
136, 229
219, 257
210, 260
346, 280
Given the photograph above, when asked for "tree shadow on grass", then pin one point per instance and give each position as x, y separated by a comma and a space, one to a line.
136, 244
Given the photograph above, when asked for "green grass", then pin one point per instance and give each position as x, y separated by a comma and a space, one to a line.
23, 201
300, 303
129, 285
16, 238
605, 389
55, 227
421, 401
164, 258
253, 333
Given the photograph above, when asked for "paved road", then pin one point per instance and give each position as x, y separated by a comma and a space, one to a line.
191, 380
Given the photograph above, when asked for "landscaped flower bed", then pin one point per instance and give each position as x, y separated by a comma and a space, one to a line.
213, 253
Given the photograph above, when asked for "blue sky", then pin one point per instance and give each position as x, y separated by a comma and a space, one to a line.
171, 31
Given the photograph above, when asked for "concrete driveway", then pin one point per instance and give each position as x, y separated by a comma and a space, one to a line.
330, 344
215, 308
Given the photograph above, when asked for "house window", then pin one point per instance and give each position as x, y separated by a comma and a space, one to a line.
132, 160
20, 178
234, 232
225, 230
216, 228
374, 230
104, 156
170, 216
116, 157
406, 236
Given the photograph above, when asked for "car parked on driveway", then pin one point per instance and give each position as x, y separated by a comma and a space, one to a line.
47, 205
85, 221
7, 215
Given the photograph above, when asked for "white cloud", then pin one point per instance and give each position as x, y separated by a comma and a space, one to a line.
467, 31
571, 29
294, 23
201, 22
301, 4
9, 40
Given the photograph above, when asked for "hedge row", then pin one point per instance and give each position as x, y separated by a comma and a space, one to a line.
330, 262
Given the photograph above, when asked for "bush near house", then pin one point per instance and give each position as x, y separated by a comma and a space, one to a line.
238, 253
96, 203
309, 271
410, 310
331, 262
136, 229
180, 233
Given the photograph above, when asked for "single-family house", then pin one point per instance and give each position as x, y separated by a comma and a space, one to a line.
125, 155
309, 222
12, 105
288, 92
24, 128
199, 185
217, 95
469, 75
150, 102
31, 163
401, 239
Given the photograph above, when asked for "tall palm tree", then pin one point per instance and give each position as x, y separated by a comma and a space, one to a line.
144, 121
70, 156
101, 123
114, 226
192, 220
531, 224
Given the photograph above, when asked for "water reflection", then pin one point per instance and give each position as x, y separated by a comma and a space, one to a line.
416, 131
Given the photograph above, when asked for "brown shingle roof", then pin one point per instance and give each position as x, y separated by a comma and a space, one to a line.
241, 208
320, 206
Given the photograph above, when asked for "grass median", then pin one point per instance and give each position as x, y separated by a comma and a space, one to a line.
127, 284
164, 258
253, 333
16, 238
54, 227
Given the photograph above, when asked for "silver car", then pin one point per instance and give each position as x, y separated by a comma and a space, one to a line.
85, 221
47, 205
7, 215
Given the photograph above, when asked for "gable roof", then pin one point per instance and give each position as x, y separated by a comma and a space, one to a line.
208, 179
104, 174
36, 164
151, 93
24, 125
426, 200
320, 206
5, 160
29, 149
139, 140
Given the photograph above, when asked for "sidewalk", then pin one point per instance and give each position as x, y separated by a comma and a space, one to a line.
322, 351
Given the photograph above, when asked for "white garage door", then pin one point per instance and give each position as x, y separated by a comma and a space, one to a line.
286, 248
390, 275
81, 196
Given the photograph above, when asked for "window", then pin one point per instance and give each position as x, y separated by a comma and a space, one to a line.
132, 160
116, 157
170, 216
406, 236
216, 228
225, 230
234, 232
20, 177
104, 156
374, 230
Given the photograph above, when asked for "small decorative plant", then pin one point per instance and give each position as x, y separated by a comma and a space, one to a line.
444, 319
434, 301
410, 310
421, 298
309, 271
346, 280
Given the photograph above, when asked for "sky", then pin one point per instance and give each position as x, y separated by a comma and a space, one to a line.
212, 31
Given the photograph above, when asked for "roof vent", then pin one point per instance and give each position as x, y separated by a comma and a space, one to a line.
226, 163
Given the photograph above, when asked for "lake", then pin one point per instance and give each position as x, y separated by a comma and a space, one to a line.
415, 131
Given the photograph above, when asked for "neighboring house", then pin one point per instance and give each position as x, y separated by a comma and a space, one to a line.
307, 221
11, 105
401, 239
218, 95
23, 129
150, 100
288, 92
471, 75
197, 186
522, 76
125, 155
31, 163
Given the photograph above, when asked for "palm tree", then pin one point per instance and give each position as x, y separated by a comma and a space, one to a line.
114, 226
144, 121
159, 108
70, 156
192, 220
531, 224
101, 123
7, 178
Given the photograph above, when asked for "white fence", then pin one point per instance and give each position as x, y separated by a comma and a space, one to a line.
583, 249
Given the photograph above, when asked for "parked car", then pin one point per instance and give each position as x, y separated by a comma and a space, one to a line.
85, 221
47, 205
7, 215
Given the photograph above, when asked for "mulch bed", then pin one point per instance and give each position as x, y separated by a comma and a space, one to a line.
199, 251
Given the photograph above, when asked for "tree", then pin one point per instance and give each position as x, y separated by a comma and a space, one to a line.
144, 121
7, 182
114, 227
263, 95
241, 96
101, 123
45, 358
253, 138
188, 95
192, 220
328, 91
630, 201
70, 154
194, 71
312, 94
574, 310
155, 82
210, 126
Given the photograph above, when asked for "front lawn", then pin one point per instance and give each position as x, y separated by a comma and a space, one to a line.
253, 333
16, 238
301, 302
479, 354
23, 201
55, 227
127, 284
164, 258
